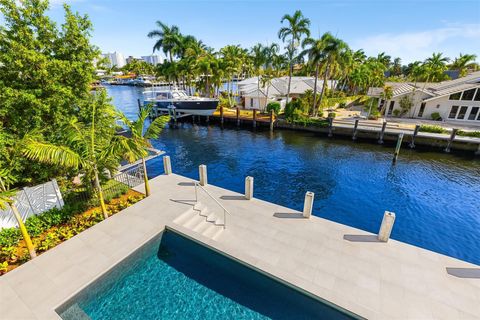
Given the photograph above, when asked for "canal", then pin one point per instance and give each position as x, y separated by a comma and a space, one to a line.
436, 197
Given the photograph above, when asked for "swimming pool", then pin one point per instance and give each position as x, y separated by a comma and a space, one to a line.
172, 277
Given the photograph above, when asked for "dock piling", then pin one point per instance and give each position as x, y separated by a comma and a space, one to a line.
248, 188
308, 204
208, 119
452, 137
238, 117
271, 120
415, 132
477, 153
397, 148
254, 118
386, 226
167, 165
382, 133
354, 135
330, 127
221, 116
202, 170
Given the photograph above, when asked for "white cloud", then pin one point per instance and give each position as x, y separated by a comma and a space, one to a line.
412, 46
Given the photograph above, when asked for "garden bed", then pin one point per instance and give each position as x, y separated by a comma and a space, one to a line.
55, 226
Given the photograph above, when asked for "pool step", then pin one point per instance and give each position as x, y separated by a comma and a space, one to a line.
193, 221
185, 216
201, 220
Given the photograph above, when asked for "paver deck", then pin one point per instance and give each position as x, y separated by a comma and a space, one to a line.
343, 265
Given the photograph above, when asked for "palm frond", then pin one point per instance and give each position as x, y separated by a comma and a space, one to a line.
52, 154
156, 127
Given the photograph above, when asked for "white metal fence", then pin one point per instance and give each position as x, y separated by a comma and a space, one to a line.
31, 201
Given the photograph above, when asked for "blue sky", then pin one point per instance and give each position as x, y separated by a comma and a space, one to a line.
408, 29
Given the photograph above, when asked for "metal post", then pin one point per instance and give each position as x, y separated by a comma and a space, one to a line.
415, 132
308, 204
202, 170
248, 188
271, 120
167, 165
238, 117
330, 127
354, 135
384, 126
452, 137
397, 148
254, 118
386, 226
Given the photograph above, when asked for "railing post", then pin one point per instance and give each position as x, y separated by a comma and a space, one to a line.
248, 188
452, 137
382, 133
308, 204
386, 226
415, 132
167, 166
354, 135
397, 148
202, 170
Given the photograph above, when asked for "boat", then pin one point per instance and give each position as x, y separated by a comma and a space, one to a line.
179, 102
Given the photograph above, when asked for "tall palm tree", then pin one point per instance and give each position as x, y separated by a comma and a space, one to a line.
316, 53
141, 137
168, 39
464, 63
6, 200
435, 67
298, 26
258, 59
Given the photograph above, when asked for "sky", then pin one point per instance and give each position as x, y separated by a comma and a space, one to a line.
408, 29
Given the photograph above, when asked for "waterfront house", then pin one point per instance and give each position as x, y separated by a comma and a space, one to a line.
453, 100
257, 97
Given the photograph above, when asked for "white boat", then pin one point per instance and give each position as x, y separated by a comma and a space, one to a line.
168, 101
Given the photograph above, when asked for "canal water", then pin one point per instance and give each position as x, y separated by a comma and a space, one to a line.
436, 197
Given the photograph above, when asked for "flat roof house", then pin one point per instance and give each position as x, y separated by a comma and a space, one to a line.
257, 98
453, 100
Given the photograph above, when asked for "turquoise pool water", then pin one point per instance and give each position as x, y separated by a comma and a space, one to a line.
175, 278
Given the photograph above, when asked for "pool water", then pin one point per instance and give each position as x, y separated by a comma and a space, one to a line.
175, 278
435, 196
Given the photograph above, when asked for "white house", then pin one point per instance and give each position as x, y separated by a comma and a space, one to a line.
257, 97
453, 100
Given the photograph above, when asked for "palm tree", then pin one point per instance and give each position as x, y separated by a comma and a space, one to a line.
464, 63
315, 54
298, 26
168, 39
258, 58
140, 137
386, 95
87, 149
6, 199
435, 67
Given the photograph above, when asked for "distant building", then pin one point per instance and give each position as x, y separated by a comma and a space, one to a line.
152, 59
114, 59
256, 97
453, 100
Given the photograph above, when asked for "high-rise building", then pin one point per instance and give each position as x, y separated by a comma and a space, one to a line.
115, 59
152, 59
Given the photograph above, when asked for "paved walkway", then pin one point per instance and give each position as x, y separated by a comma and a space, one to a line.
343, 265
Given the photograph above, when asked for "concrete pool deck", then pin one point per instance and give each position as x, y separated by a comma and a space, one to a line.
340, 264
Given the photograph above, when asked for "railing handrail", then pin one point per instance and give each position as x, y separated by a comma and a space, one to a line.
208, 193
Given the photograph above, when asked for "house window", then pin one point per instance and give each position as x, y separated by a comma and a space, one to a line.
468, 95
455, 96
251, 102
462, 113
422, 109
477, 96
473, 113
390, 108
453, 112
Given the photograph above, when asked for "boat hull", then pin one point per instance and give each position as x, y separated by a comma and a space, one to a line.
194, 107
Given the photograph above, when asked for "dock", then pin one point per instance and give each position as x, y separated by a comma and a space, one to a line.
345, 266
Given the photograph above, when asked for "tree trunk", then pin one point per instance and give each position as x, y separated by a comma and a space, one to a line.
324, 84
100, 195
290, 71
314, 108
145, 177
23, 230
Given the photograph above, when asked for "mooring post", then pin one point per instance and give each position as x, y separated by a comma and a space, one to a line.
397, 148
330, 127
354, 135
238, 117
208, 119
167, 165
254, 118
202, 170
386, 226
175, 118
248, 188
477, 153
415, 132
308, 204
221, 115
271, 120
382, 133
452, 137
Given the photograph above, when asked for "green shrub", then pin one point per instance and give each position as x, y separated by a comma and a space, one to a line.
374, 115
396, 112
3, 267
9, 237
293, 110
432, 129
475, 134
342, 105
332, 115
275, 106
436, 116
